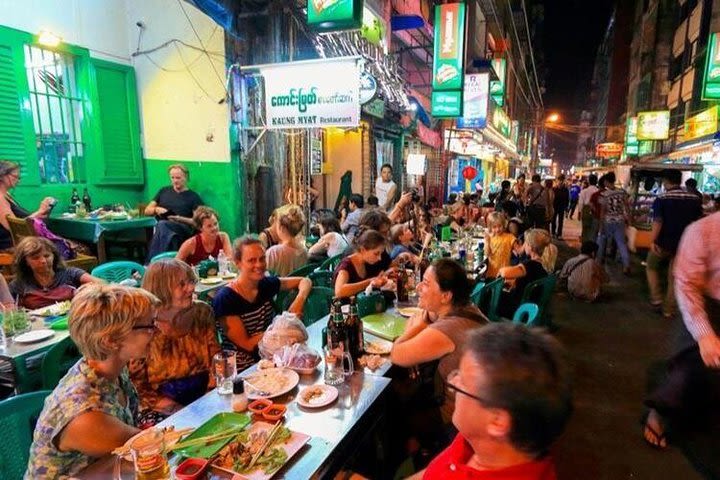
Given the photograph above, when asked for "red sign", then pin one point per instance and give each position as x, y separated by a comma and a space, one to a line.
608, 150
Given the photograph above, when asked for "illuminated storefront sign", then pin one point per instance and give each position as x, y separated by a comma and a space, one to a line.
475, 101
631, 142
329, 15
608, 150
653, 125
711, 80
446, 104
704, 123
501, 122
312, 94
497, 87
449, 46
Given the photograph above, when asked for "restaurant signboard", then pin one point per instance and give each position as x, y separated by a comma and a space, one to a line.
330, 15
632, 146
653, 125
475, 101
501, 121
446, 104
449, 46
608, 150
711, 80
312, 94
497, 87
702, 124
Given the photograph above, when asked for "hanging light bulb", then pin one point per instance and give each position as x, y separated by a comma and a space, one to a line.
48, 39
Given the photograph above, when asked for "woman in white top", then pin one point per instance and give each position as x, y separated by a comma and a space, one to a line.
332, 242
290, 253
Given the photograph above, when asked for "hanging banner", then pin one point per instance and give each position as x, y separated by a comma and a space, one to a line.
653, 125
329, 15
501, 122
312, 94
497, 87
475, 102
711, 80
704, 123
449, 46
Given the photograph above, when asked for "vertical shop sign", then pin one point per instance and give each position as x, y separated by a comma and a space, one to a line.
711, 80
631, 142
449, 46
329, 15
316, 152
497, 87
446, 104
653, 125
475, 101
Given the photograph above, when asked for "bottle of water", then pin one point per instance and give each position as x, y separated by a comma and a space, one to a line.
222, 263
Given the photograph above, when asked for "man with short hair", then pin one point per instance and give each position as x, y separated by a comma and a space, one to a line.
614, 216
672, 211
691, 186
512, 400
385, 188
585, 210
537, 204
350, 225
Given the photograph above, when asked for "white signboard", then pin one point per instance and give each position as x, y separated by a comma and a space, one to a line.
475, 101
416, 164
312, 94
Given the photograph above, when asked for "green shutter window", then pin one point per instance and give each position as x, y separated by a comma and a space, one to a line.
119, 126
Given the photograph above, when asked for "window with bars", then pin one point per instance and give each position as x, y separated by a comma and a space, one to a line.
57, 111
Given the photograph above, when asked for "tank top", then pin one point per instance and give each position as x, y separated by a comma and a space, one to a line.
199, 254
5, 237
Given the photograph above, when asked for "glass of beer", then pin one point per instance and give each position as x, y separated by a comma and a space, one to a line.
225, 370
148, 454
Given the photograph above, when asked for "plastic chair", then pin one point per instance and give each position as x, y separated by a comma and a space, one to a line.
331, 263
540, 292
304, 271
160, 256
317, 304
116, 272
527, 314
321, 278
18, 416
475, 295
488, 298
58, 361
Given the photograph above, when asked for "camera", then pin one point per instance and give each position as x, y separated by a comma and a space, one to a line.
415, 195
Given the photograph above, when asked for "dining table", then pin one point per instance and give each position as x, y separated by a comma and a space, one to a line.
94, 230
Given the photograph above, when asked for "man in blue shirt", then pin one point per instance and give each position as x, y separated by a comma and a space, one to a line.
672, 211
574, 197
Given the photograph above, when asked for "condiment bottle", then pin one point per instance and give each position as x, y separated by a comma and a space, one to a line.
239, 397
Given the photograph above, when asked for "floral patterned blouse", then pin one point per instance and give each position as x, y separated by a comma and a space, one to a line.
178, 366
80, 391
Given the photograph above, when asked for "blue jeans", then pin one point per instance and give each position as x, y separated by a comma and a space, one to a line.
616, 231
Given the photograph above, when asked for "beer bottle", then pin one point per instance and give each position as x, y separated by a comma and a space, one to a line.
86, 200
74, 200
402, 281
354, 326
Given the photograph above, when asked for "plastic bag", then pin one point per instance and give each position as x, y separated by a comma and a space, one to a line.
298, 356
285, 329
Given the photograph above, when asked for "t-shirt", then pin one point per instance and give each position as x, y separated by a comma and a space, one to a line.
350, 225
284, 259
574, 192
676, 209
382, 189
510, 301
80, 391
178, 203
451, 464
615, 202
31, 295
561, 199
256, 316
536, 195
500, 253
397, 250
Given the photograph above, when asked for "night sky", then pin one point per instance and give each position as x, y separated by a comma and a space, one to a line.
573, 31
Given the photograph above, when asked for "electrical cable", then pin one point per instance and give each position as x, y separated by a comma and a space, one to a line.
187, 67
517, 39
532, 54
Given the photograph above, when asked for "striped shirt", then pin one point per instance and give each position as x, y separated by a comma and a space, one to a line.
255, 315
697, 273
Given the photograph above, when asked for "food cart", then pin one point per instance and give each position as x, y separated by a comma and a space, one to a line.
645, 186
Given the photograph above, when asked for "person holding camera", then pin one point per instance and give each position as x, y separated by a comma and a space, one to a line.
9, 178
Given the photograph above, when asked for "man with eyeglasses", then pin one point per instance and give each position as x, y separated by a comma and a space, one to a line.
512, 400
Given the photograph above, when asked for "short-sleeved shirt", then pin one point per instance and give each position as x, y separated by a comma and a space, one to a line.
536, 195
284, 259
353, 275
178, 203
574, 193
255, 315
452, 464
351, 223
80, 391
510, 301
500, 253
615, 202
676, 209
31, 295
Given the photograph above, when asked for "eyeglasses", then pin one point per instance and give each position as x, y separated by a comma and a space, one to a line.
450, 384
152, 327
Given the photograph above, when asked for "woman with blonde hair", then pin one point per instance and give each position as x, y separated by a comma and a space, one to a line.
289, 254
91, 411
519, 276
498, 244
41, 277
209, 242
178, 367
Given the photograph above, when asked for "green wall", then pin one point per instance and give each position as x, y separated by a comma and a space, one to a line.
215, 182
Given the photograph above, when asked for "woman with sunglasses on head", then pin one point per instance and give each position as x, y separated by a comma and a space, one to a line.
177, 368
91, 411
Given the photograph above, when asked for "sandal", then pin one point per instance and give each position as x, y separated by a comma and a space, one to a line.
657, 440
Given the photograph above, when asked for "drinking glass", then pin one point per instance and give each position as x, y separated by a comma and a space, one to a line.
335, 369
148, 454
225, 370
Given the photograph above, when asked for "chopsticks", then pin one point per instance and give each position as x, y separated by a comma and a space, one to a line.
208, 439
268, 440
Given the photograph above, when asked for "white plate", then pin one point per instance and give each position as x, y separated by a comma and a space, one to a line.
378, 346
409, 311
211, 280
170, 439
329, 394
288, 380
33, 336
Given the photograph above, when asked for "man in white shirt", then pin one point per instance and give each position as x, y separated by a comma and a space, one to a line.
385, 188
584, 212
